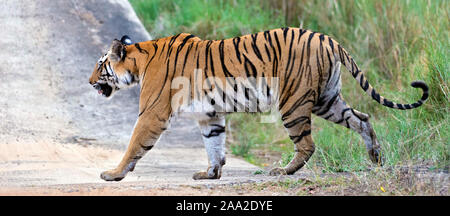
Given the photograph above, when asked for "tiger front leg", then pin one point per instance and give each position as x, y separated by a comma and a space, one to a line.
146, 133
213, 131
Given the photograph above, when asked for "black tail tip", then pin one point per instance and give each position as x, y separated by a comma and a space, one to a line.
423, 86
420, 84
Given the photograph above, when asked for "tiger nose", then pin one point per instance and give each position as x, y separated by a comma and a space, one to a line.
96, 86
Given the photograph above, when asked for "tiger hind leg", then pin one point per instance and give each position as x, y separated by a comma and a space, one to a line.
297, 121
213, 132
337, 111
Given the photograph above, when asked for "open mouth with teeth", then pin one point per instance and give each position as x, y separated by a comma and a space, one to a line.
103, 89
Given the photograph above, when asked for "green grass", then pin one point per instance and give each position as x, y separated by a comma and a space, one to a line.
207, 19
394, 42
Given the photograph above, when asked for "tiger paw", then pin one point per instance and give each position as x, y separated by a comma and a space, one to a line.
112, 175
200, 175
277, 171
376, 157
204, 175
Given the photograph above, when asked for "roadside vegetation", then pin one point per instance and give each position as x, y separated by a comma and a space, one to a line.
393, 42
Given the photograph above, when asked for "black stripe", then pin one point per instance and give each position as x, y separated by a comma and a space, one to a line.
222, 60
340, 55
388, 103
329, 104
208, 44
225, 70
366, 85
300, 71
308, 46
299, 138
275, 66
301, 57
330, 41
417, 104
211, 114
347, 57
425, 95
300, 102
375, 95
319, 69
330, 65
255, 47
361, 80
275, 61
267, 52
346, 122
297, 121
236, 42
140, 49
288, 78
344, 111
301, 32
171, 42
285, 32
179, 48
290, 51
186, 39
247, 63
267, 35
359, 117
278, 43
146, 148
162, 50
329, 116
212, 62
186, 56
214, 132
207, 49
288, 71
322, 37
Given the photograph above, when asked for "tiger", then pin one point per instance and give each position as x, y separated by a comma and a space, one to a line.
300, 73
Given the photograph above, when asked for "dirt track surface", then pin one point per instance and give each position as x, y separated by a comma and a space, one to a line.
56, 132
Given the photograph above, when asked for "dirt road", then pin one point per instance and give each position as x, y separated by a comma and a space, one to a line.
57, 134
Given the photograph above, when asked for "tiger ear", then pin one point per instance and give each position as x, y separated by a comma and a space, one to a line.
117, 51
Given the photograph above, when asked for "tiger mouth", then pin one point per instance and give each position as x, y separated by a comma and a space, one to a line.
103, 89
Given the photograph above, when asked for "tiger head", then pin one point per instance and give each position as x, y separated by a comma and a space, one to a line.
114, 70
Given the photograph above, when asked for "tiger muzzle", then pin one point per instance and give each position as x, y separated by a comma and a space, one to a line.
103, 89
97, 86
